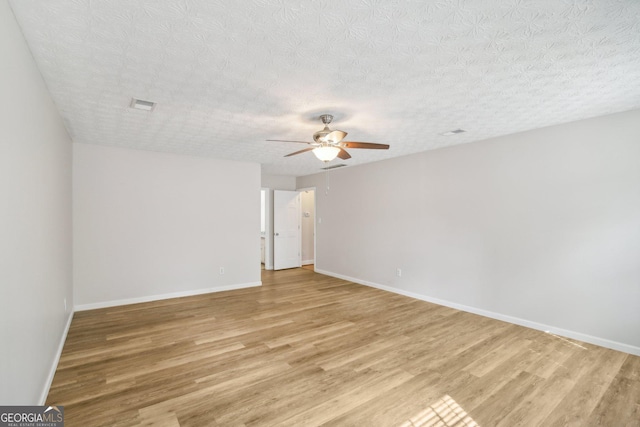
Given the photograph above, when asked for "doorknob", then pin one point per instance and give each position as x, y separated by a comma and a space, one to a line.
277, 234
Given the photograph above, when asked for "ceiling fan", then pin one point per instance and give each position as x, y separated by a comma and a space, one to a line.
328, 144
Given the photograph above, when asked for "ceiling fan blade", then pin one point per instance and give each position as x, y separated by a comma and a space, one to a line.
300, 152
343, 154
371, 145
285, 140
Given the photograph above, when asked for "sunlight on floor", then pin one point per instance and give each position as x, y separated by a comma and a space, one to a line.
444, 413
566, 340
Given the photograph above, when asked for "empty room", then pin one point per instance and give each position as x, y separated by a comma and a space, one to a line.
356, 213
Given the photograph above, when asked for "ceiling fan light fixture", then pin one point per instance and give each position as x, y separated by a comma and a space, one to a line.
326, 153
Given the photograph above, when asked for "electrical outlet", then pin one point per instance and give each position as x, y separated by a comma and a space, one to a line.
398, 272
221, 270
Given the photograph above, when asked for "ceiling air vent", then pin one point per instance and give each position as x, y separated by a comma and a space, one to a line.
139, 104
453, 132
334, 166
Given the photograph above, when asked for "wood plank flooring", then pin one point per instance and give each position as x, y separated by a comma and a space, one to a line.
306, 349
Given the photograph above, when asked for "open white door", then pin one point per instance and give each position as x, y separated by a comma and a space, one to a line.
286, 230
308, 226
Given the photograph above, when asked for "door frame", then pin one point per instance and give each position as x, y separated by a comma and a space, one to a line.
268, 228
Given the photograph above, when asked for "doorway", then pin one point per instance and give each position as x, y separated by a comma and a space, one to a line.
306, 218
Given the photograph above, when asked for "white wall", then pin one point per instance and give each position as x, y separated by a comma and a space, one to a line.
35, 224
278, 182
155, 225
541, 228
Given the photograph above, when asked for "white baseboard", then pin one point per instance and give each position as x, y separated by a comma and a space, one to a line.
308, 261
602, 342
115, 303
54, 365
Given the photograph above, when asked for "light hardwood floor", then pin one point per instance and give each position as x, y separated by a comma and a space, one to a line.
306, 349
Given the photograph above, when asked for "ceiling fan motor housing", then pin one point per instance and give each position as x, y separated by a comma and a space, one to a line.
327, 136
319, 136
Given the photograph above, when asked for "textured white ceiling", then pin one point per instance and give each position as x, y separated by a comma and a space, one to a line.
227, 75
